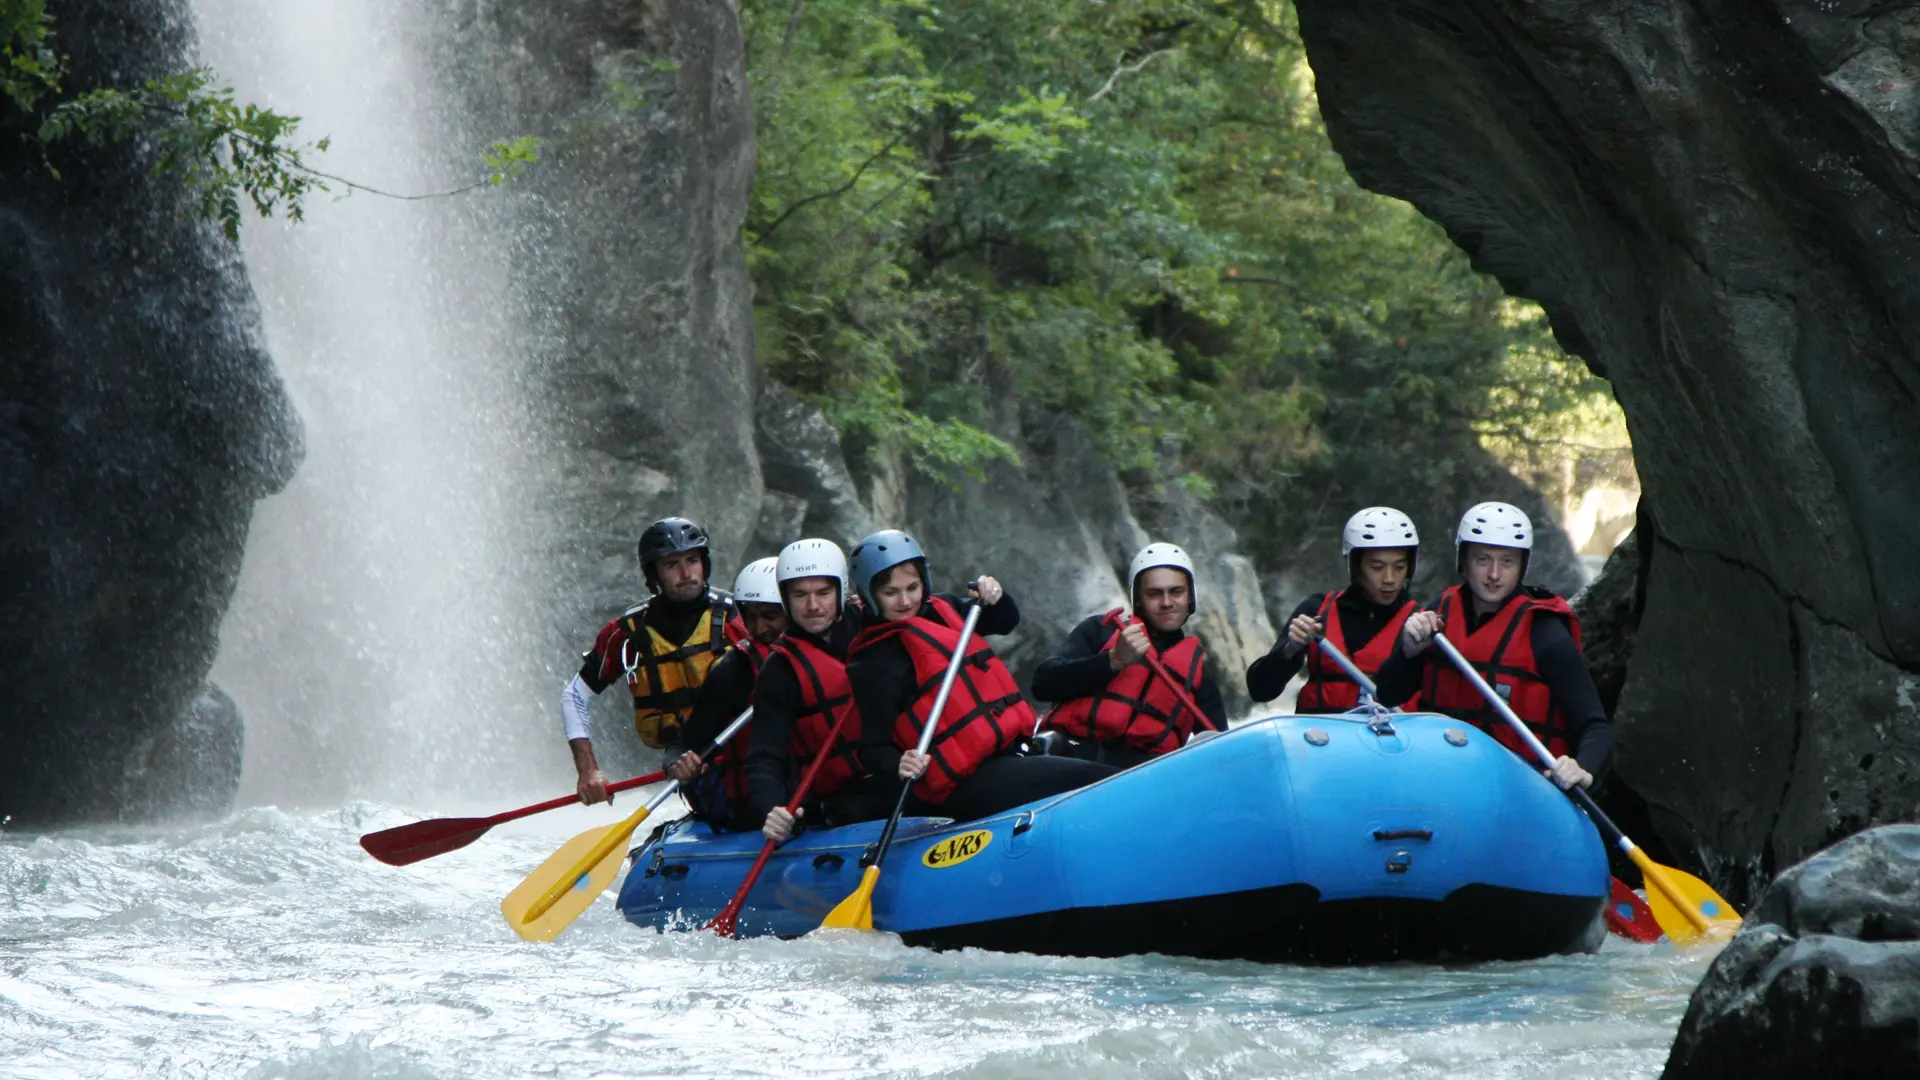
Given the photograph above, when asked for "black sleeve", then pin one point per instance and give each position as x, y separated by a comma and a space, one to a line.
883, 688
1268, 676
995, 619
769, 767
1565, 671
1207, 696
727, 691
1079, 667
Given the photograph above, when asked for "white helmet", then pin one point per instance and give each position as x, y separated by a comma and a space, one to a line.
758, 582
1495, 524
811, 558
1378, 527
1157, 555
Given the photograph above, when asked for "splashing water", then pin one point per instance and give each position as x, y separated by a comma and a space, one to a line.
388, 635
268, 945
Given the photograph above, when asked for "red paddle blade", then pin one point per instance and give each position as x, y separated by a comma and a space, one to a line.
418, 840
727, 923
1629, 916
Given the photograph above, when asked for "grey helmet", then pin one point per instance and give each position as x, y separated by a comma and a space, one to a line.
880, 553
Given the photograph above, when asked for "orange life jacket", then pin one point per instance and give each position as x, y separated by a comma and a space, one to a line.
985, 713
1329, 689
824, 695
1135, 707
1502, 651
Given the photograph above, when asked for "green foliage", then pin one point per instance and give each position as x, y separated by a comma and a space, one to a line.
1128, 212
223, 150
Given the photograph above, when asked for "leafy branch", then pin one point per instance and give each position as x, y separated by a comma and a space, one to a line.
221, 149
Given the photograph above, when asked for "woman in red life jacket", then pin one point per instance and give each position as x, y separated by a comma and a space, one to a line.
1379, 545
799, 695
974, 766
1111, 705
1524, 641
717, 790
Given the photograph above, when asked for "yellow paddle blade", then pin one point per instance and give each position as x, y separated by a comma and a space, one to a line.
856, 911
1685, 907
574, 877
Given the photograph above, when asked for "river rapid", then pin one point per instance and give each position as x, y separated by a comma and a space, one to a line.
268, 945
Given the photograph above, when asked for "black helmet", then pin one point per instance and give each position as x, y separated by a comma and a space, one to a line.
671, 536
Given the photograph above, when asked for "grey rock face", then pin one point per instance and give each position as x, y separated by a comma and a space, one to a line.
1716, 205
1824, 978
634, 274
802, 461
140, 420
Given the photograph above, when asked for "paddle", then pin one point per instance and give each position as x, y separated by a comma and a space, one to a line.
571, 879
417, 840
1684, 906
856, 911
728, 921
1185, 699
1627, 914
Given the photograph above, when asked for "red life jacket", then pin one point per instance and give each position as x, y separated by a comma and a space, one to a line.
1502, 651
985, 713
1135, 707
730, 761
1329, 689
824, 695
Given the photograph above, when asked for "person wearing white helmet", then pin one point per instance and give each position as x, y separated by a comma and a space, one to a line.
1525, 641
716, 790
663, 647
1380, 546
802, 693
1109, 703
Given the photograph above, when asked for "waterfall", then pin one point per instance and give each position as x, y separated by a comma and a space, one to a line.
388, 637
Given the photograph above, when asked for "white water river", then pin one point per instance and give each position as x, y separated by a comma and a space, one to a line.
269, 945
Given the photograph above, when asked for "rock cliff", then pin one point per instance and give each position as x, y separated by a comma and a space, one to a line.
140, 419
1717, 206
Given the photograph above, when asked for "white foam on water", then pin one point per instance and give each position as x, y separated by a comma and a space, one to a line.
269, 945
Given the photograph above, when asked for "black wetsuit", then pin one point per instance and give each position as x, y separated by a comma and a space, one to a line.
1079, 668
1561, 667
772, 770
1361, 620
726, 694
884, 686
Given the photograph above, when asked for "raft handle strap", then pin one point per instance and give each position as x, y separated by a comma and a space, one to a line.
1402, 834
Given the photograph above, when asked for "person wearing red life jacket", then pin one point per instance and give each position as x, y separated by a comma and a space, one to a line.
974, 766
1379, 545
1525, 641
801, 692
1109, 703
716, 790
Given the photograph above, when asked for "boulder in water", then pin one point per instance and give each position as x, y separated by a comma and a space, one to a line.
1824, 979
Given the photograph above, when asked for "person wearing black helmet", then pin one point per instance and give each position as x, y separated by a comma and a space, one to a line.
662, 646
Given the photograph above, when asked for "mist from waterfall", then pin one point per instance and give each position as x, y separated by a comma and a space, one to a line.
388, 638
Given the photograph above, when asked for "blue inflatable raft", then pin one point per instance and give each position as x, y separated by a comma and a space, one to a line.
1324, 839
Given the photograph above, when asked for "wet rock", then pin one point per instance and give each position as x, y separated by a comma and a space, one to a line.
1717, 206
1824, 978
801, 459
1609, 613
140, 420
634, 282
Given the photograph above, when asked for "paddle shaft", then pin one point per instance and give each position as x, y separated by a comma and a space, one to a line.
725, 922
569, 800
619, 835
1186, 700
927, 729
1368, 690
1577, 793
